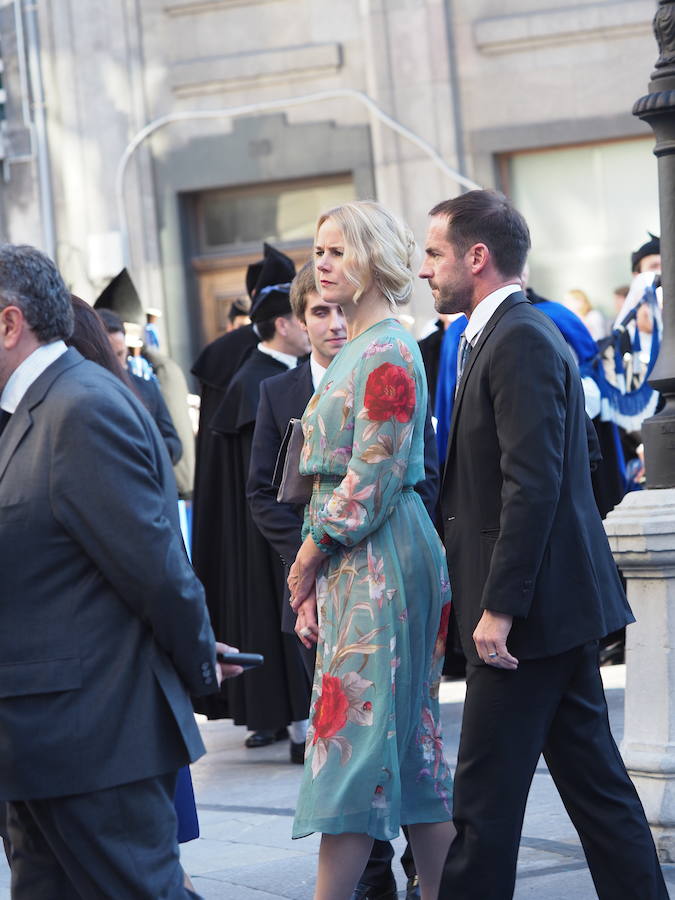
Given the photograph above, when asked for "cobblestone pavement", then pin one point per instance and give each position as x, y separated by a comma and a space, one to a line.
246, 799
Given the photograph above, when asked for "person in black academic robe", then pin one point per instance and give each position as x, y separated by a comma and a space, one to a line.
214, 522
211, 527
277, 693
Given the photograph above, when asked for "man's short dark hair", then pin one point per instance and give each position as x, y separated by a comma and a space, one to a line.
487, 217
238, 307
267, 328
31, 281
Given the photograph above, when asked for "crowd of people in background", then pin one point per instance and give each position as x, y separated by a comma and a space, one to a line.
258, 559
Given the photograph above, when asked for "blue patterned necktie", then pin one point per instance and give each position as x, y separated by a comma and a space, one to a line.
463, 354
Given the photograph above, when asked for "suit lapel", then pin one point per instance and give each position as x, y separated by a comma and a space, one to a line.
302, 393
305, 382
503, 308
18, 425
22, 420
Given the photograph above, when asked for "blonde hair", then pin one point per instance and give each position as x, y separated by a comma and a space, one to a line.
577, 296
304, 283
377, 248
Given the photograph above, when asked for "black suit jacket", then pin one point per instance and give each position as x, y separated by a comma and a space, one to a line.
284, 397
103, 624
151, 395
522, 529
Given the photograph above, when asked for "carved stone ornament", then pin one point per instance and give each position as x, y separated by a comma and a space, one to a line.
664, 31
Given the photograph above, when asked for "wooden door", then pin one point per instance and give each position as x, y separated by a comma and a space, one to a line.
222, 279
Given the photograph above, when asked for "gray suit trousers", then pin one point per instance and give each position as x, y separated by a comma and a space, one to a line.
113, 844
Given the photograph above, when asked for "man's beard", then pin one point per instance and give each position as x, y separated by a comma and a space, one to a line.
454, 300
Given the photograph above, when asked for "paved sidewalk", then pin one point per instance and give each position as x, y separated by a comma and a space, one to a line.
246, 799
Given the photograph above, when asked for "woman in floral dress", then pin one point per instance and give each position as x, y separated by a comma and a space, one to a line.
374, 568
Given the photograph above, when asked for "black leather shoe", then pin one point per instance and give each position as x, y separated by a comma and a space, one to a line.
412, 891
297, 752
385, 891
613, 654
263, 738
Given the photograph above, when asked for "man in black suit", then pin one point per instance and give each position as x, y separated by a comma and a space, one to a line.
103, 624
284, 397
534, 583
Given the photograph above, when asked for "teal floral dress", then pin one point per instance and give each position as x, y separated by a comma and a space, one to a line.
374, 755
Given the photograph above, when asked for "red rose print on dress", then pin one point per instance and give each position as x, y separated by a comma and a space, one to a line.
390, 394
340, 701
330, 712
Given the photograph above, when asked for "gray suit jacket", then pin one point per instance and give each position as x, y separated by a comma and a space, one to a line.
103, 625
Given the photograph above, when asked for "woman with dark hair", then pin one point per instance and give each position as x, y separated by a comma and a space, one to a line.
88, 339
91, 339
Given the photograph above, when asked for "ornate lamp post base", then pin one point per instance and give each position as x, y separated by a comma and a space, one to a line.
641, 534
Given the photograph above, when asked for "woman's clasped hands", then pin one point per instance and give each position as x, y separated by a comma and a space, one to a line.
302, 585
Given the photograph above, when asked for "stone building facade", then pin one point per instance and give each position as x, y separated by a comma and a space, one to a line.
535, 100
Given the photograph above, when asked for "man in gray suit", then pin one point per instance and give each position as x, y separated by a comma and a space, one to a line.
103, 626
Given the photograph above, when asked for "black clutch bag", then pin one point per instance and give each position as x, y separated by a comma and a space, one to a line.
293, 487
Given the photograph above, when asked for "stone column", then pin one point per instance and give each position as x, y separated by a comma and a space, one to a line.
641, 534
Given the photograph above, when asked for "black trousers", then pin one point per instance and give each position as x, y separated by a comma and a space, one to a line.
114, 844
555, 706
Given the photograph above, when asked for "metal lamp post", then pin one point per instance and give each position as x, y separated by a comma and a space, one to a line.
658, 109
641, 529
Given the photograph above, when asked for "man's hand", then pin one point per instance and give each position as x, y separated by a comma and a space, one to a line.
226, 670
490, 640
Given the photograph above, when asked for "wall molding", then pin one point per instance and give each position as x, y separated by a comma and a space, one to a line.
238, 70
527, 31
194, 7
556, 133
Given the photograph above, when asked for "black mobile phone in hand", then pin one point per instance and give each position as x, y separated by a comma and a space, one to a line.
245, 660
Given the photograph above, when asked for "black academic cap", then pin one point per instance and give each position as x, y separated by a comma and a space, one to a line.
651, 248
274, 268
239, 307
122, 298
271, 301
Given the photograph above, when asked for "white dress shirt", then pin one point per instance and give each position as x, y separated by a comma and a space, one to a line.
318, 371
29, 371
485, 309
285, 358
